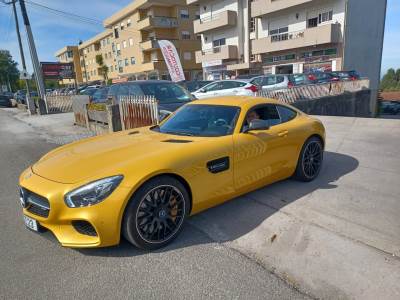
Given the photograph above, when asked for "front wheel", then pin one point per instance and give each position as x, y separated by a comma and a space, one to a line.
310, 160
156, 213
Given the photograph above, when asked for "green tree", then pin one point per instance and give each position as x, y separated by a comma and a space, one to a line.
9, 73
103, 68
390, 82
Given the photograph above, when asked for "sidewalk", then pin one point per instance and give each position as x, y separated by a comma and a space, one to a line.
55, 128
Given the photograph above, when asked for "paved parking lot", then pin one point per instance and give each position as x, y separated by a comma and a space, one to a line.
336, 237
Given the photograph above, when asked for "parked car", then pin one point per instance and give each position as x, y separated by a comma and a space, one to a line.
346, 75
389, 107
299, 79
5, 101
271, 82
100, 95
192, 86
170, 95
144, 183
321, 77
89, 91
226, 88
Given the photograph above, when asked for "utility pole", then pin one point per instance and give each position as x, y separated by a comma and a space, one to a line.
34, 57
29, 101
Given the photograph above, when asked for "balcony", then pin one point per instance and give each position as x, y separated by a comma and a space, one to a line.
224, 19
152, 44
326, 34
217, 53
157, 22
152, 65
264, 7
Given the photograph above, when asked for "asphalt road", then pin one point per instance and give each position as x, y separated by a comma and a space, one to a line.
36, 266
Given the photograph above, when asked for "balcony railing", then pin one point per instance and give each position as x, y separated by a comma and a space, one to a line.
157, 22
217, 53
263, 7
220, 20
325, 34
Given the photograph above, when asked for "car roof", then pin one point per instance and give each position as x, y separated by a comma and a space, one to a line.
145, 81
241, 101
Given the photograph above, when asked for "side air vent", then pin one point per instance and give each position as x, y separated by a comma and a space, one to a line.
177, 141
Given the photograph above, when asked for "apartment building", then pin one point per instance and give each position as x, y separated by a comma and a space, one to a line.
100, 44
290, 36
70, 54
136, 30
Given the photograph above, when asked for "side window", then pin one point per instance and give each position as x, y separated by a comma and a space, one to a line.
228, 85
273, 115
257, 81
286, 113
212, 87
270, 80
280, 79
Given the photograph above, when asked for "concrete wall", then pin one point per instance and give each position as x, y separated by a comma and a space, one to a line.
355, 104
364, 38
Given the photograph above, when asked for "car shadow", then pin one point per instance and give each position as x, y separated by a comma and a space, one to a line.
241, 215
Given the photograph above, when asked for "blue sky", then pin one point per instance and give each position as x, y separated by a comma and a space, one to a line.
52, 32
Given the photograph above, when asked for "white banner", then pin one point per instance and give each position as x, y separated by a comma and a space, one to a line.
172, 60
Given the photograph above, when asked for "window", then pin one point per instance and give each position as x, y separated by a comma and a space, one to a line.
124, 44
116, 33
325, 17
252, 24
118, 46
184, 13
219, 42
122, 25
286, 113
187, 55
267, 113
185, 35
131, 42
312, 22
128, 23
327, 52
280, 34
133, 61
126, 62
120, 63
197, 15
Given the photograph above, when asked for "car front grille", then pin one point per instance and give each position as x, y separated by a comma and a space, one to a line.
84, 227
35, 203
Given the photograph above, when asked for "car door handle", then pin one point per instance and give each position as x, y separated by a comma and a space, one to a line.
283, 133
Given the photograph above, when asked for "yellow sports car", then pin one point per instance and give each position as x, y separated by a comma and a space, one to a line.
143, 183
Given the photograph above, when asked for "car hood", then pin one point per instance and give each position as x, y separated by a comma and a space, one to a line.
106, 155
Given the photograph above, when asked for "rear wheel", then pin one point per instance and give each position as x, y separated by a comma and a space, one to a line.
310, 160
156, 213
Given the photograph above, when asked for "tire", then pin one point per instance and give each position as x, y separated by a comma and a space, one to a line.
151, 221
310, 160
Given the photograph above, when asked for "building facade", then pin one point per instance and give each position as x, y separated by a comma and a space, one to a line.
136, 30
70, 54
290, 36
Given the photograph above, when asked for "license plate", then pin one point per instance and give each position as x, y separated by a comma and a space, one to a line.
31, 223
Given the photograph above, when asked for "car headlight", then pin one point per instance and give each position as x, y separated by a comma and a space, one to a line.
92, 193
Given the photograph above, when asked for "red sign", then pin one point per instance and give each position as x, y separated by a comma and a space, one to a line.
119, 80
55, 70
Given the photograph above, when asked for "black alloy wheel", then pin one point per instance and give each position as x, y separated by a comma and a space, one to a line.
156, 213
160, 214
310, 160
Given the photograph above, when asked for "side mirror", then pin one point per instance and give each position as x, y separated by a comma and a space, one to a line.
202, 90
258, 124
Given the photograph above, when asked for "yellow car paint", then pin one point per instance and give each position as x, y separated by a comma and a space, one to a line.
257, 158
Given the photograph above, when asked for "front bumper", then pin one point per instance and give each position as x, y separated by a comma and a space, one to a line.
105, 217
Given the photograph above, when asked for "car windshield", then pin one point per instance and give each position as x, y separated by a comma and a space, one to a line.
100, 95
166, 92
201, 120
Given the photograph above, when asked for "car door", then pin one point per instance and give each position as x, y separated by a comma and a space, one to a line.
209, 90
263, 156
269, 82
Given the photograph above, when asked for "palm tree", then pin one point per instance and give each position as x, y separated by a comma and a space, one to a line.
103, 68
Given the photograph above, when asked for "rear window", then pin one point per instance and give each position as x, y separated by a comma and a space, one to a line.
166, 92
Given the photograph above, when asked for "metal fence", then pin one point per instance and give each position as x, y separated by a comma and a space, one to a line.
138, 111
59, 103
313, 91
